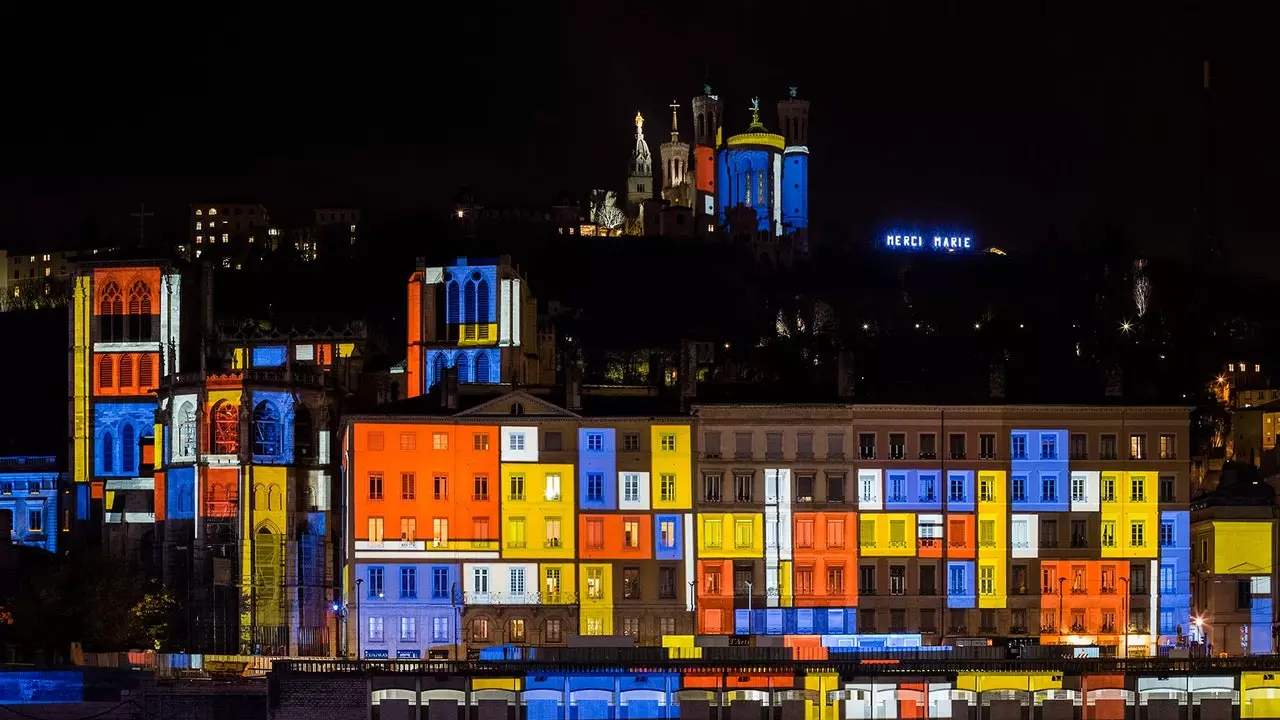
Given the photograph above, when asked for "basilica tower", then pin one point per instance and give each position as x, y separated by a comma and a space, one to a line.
640, 174
706, 138
793, 121
676, 188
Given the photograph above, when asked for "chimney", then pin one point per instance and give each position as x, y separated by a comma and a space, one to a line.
449, 386
573, 387
995, 381
6, 527
844, 375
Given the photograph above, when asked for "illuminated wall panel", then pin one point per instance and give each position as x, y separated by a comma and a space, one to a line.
474, 365
730, 535
1241, 547
775, 196
993, 539
870, 492
745, 179
1039, 478
1174, 578
960, 491
471, 294
669, 538
598, 481
272, 429
184, 432
1026, 535
180, 493
595, 593
704, 159
519, 443
118, 428
671, 448
81, 379
795, 189
269, 355
1085, 488
537, 511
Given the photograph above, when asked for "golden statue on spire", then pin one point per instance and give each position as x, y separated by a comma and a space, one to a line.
639, 122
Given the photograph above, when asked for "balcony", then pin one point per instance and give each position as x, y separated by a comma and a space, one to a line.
1079, 591
958, 630
1079, 542
1108, 590
927, 543
1107, 629
804, 455
988, 629
1078, 628
956, 543
1017, 630
773, 455
1048, 630
552, 543
1048, 542
928, 456
958, 455
930, 591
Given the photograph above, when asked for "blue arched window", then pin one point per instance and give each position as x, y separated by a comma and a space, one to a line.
464, 368
453, 302
482, 367
438, 369
482, 301
471, 301
128, 449
266, 429
108, 453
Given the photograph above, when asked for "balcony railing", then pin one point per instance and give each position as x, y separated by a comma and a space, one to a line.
1108, 590
1017, 630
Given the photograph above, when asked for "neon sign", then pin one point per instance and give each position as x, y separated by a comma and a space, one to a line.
941, 243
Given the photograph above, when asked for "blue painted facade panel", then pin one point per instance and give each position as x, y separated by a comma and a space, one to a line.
1039, 476
32, 498
179, 491
913, 490
959, 490
740, 171
269, 356
961, 584
41, 687
1175, 572
795, 191
597, 469
673, 547
1260, 639
427, 593
273, 440
118, 426
479, 365
471, 293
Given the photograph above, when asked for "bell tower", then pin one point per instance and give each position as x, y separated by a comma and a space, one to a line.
706, 139
675, 165
793, 122
640, 175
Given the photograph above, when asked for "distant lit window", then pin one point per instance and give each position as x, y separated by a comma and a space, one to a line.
199, 211
47, 271
353, 228
199, 238
213, 211
199, 225
224, 237
46, 257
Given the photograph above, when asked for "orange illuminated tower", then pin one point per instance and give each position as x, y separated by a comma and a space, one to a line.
707, 110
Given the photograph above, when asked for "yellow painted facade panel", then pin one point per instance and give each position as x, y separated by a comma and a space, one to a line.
730, 535
1027, 682
1241, 547
819, 684
993, 540
80, 379
538, 520
566, 575
1259, 695
595, 601
671, 454
513, 684
894, 534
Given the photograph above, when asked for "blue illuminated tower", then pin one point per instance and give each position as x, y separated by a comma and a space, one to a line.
749, 174
793, 121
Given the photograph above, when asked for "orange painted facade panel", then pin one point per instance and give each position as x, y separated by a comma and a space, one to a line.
437, 483
805, 647
160, 495
97, 491
1092, 595
961, 542
220, 491
148, 452
705, 162
125, 374
913, 700
413, 367
124, 279
615, 537
826, 559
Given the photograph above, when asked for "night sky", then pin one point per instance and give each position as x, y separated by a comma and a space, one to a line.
1022, 124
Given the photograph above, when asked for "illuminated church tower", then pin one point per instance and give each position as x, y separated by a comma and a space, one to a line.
750, 175
706, 137
640, 175
793, 117
676, 185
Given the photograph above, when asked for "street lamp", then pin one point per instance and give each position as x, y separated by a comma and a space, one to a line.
340, 612
693, 608
359, 652
1061, 581
748, 607
1124, 638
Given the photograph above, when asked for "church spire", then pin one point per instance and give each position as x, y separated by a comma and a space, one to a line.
675, 122
641, 159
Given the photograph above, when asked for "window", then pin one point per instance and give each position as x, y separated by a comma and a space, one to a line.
835, 487
595, 533
375, 529
1079, 534
35, 521
835, 580
440, 487
440, 630
376, 630
480, 441
867, 532
1079, 446
867, 579
928, 446
480, 487
375, 441
1108, 533
1168, 448
516, 581
928, 580
897, 488
552, 583
987, 446
1048, 447
742, 488
631, 625
987, 533
126, 371
711, 581
1168, 492
743, 533
1138, 580
711, 488
835, 446
773, 446
1018, 488
955, 488
897, 533
595, 442
553, 441
1048, 488
897, 446
867, 446
955, 444
1018, 447
835, 533
439, 441
551, 531
955, 580
667, 534
517, 487
804, 445
667, 487
480, 629
1137, 534
146, 371
711, 444
408, 583
986, 580
712, 533
1107, 447
595, 487
375, 583
986, 488
668, 441
515, 441
1078, 489
631, 583
440, 532
631, 488
553, 487
552, 633
375, 486
1137, 489
804, 533
630, 533
408, 529
804, 581
408, 629
897, 579
1021, 534
804, 488
1048, 533
928, 489
1108, 488
480, 580
408, 486
515, 532
867, 488
439, 583
226, 429
595, 583
631, 442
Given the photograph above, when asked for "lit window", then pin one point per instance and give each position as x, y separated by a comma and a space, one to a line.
47, 271
46, 258
199, 225
224, 237
353, 228
199, 238
251, 239
199, 211
212, 211
440, 441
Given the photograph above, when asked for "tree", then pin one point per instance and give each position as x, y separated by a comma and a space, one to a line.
156, 616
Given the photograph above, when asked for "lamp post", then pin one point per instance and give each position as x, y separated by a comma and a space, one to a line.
748, 607
359, 653
1124, 638
1061, 620
693, 608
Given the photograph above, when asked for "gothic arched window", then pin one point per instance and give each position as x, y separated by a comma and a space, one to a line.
266, 429
464, 368
146, 371
186, 430
128, 450
108, 452
482, 368
471, 299
105, 372
126, 371
303, 432
226, 428
438, 375
482, 301
111, 312
453, 304
140, 311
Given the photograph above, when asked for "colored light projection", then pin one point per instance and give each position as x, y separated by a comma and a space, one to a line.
795, 189
29, 491
467, 523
